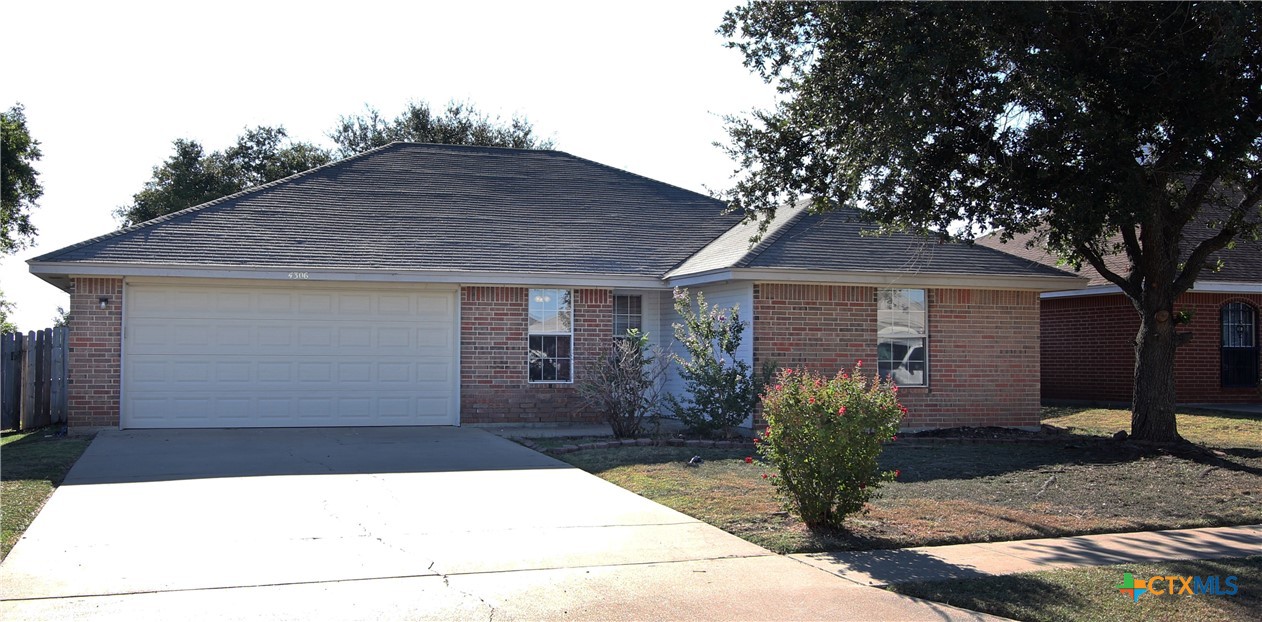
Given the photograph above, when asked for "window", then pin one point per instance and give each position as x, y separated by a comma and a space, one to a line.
551, 337
1239, 345
901, 346
628, 313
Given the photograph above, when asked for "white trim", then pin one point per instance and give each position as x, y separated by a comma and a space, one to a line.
918, 280
1094, 290
52, 271
1200, 287
459, 327
122, 352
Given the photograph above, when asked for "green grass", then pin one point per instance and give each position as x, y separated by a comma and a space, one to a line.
32, 465
1209, 428
1089, 594
953, 493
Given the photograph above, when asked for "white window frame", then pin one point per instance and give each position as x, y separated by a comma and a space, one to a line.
907, 335
545, 296
638, 316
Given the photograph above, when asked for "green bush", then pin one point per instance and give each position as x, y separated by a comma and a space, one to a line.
824, 436
721, 390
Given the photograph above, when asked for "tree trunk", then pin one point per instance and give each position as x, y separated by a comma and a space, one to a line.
1153, 400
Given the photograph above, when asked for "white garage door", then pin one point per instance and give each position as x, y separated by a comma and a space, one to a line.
277, 355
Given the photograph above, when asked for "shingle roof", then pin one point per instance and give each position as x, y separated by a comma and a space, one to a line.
1242, 264
842, 241
412, 206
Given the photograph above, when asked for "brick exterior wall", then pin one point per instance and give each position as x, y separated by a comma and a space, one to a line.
95, 356
983, 347
494, 381
1088, 350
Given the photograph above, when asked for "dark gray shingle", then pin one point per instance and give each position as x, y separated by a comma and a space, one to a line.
434, 207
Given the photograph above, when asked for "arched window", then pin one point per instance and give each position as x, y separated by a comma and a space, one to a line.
1239, 345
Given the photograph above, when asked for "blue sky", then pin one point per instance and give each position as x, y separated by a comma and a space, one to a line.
108, 86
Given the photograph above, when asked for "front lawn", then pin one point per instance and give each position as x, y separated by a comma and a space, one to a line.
953, 493
1090, 594
32, 464
1209, 428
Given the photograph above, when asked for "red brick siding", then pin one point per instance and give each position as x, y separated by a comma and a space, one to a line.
983, 347
1088, 350
494, 386
95, 357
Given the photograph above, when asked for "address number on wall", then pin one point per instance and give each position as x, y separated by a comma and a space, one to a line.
302, 276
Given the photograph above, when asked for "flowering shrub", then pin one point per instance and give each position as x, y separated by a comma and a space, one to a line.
721, 389
824, 436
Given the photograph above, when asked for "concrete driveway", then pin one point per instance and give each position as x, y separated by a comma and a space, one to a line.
389, 523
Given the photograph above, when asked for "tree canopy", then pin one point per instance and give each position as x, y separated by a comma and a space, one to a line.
1108, 127
459, 124
20, 188
192, 177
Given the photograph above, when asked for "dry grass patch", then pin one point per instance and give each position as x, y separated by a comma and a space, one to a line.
956, 493
1210, 428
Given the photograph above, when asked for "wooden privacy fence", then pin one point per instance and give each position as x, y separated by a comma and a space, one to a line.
33, 382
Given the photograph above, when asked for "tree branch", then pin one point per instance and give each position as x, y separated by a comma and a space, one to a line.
1200, 255
1096, 260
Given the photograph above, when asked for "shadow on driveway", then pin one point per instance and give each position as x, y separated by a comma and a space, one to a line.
160, 455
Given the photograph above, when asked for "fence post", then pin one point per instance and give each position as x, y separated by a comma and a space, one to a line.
28, 384
58, 389
45, 377
10, 380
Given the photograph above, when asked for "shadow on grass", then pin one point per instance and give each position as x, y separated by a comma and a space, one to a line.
1020, 597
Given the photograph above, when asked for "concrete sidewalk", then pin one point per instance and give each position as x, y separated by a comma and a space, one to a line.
938, 563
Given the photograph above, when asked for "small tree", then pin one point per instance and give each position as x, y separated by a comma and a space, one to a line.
721, 390
625, 383
825, 436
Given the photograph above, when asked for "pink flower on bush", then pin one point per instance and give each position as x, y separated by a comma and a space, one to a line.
757, 440
779, 387
894, 388
903, 408
749, 459
892, 438
810, 400
764, 476
841, 411
788, 372
897, 472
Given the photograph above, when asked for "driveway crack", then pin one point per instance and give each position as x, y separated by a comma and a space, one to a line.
447, 583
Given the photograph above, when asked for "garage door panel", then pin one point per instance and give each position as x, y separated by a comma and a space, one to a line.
232, 356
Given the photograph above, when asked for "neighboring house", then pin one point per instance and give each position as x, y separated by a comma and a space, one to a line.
427, 284
1088, 335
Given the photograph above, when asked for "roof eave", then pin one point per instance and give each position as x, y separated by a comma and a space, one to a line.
1036, 283
59, 274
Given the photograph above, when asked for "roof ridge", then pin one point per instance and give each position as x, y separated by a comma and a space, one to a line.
568, 155
208, 204
771, 236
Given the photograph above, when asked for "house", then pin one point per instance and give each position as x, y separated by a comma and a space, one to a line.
1088, 334
451, 285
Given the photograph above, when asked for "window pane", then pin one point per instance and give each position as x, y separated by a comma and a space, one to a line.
903, 359
549, 311
550, 358
627, 314
900, 312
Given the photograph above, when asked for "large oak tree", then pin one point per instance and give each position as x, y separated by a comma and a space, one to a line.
192, 177
19, 181
1109, 127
